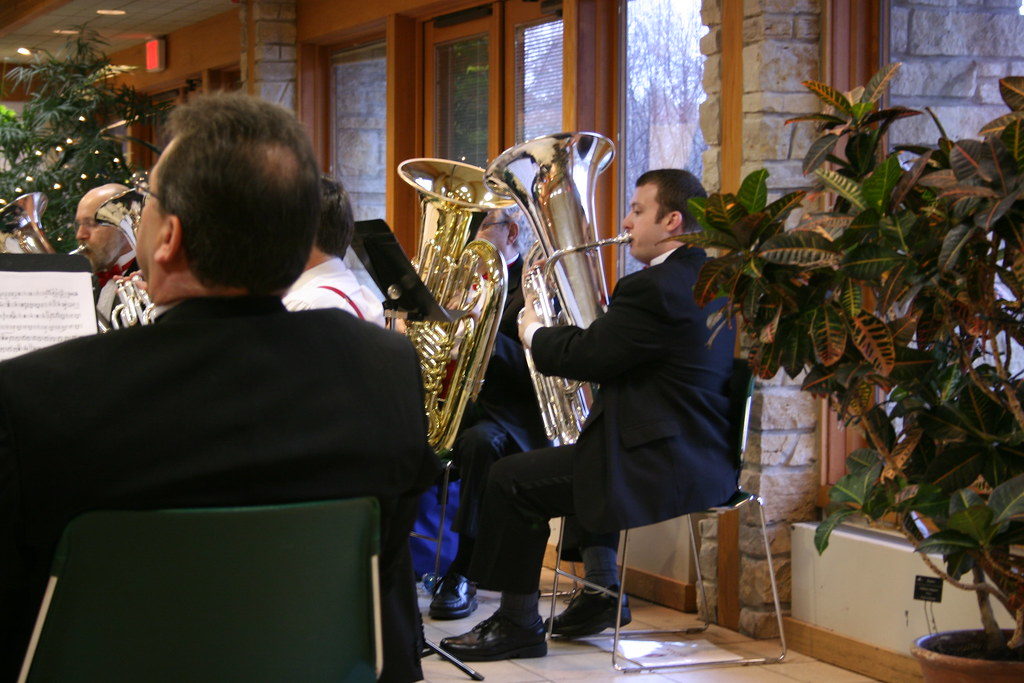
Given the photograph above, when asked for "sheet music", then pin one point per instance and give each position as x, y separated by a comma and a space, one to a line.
41, 308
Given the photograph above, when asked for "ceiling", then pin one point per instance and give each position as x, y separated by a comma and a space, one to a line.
143, 19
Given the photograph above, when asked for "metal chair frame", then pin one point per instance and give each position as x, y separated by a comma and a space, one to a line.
737, 501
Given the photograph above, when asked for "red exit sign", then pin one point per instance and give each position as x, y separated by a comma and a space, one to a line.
156, 54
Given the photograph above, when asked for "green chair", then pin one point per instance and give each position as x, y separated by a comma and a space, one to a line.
741, 388
274, 593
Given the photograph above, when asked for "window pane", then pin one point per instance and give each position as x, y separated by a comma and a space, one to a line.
663, 87
359, 114
538, 79
462, 89
953, 57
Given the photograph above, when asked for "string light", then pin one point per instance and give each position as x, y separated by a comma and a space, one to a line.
29, 179
81, 118
38, 153
56, 186
84, 177
116, 160
17, 189
59, 148
69, 140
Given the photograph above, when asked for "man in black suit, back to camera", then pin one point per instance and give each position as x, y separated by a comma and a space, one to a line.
655, 445
227, 399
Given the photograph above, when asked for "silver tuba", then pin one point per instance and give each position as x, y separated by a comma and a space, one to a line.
134, 306
21, 231
553, 178
462, 277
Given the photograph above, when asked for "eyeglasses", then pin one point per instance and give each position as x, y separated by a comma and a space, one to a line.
488, 226
142, 187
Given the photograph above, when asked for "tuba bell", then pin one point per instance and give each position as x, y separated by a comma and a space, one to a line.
134, 307
21, 231
466, 278
553, 178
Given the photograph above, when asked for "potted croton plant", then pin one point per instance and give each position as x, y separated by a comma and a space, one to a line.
902, 304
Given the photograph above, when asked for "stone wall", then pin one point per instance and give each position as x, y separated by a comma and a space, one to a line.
953, 54
271, 26
780, 50
359, 79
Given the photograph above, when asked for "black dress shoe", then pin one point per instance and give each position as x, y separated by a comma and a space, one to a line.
497, 638
454, 598
589, 613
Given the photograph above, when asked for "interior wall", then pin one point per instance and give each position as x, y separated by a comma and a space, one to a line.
214, 43
953, 52
840, 589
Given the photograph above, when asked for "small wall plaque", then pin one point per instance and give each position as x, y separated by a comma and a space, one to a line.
928, 588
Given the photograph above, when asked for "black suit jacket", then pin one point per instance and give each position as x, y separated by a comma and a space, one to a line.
222, 402
656, 444
507, 396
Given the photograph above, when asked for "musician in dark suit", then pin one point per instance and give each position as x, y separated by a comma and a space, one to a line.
504, 419
227, 399
655, 445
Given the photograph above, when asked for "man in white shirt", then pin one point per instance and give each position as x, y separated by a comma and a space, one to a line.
110, 251
327, 282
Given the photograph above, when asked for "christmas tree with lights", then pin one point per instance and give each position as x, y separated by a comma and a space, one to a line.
69, 137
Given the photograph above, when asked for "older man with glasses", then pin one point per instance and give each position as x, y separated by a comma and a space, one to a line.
110, 251
504, 419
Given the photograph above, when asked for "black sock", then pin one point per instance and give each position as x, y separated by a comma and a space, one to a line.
522, 609
599, 565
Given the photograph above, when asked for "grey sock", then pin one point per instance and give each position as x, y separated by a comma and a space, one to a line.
599, 565
521, 608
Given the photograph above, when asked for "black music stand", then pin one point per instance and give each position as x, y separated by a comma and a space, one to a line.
56, 263
405, 295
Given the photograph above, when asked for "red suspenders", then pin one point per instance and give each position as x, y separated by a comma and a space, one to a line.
346, 297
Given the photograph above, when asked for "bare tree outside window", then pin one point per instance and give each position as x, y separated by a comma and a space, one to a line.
538, 81
663, 86
462, 100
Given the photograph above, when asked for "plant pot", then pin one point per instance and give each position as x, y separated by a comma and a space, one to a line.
938, 667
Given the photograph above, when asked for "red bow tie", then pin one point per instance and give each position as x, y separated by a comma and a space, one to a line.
103, 276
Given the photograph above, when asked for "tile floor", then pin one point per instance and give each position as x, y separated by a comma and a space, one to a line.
572, 661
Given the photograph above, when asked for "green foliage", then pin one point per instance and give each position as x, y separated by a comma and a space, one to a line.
69, 136
902, 304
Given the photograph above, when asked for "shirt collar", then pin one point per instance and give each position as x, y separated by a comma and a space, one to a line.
661, 258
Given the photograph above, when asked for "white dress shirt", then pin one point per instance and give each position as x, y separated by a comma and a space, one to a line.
315, 289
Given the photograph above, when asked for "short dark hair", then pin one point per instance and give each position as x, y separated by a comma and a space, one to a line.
334, 235
676, 188
242, 178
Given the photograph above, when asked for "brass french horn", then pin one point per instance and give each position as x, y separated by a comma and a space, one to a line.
21, 231
467, 278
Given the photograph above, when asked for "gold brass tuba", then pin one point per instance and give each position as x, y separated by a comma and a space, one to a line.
468, 280
21, 231
552, 178
134, 307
